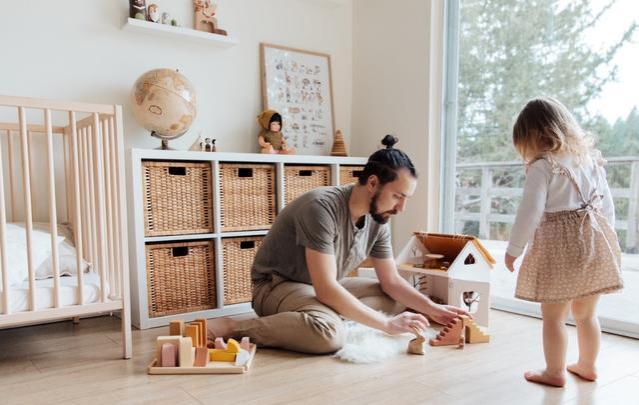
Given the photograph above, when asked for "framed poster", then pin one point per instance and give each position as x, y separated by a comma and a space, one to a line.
297, 84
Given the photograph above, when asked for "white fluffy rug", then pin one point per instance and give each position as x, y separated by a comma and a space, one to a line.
367, 345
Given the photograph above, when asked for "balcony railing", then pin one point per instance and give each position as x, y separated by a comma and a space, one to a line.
482, 191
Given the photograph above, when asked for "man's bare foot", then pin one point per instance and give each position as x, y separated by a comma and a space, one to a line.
542, 377
221, 327
586, 372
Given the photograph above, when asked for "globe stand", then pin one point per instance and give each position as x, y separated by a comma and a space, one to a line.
165, 142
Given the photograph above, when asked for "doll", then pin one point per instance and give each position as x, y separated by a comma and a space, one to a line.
153, 13
270, 138
137, 9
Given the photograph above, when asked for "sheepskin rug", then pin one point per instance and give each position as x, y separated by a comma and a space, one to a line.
367, 345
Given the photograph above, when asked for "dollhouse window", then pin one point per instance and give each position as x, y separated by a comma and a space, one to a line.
470, 259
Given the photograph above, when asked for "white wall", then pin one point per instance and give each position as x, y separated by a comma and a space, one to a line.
76, 50
390, 91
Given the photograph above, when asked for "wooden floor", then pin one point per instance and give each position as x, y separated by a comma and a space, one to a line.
80, 364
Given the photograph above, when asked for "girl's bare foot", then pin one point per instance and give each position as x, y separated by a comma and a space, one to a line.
586, 372
221, 327
542, 377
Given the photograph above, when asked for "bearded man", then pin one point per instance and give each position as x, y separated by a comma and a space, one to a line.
300, 291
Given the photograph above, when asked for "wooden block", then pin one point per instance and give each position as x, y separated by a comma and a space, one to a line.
232, 346
221, 355
219, 343
169, 355
450, 334
186, 352
193, 331
176, 328
203, 331
161, 340
473, 333
245, 344
242, 357
201, 357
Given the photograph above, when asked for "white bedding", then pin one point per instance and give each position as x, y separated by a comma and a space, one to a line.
19, 296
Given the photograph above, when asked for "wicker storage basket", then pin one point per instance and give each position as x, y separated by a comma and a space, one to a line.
237, 259
177, 198
349, 174
300, 179
247, 196
180, 277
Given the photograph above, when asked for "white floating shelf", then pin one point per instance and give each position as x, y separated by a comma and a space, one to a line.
223, 41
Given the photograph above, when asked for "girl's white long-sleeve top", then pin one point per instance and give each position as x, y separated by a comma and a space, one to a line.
545, 191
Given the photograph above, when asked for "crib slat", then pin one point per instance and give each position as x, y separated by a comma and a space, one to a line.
67, 179
12, 189
83, 194
114, 203
53, 216
32, 183
77, 229
26, 182
3, 244
107, 199
89, 193
99, 205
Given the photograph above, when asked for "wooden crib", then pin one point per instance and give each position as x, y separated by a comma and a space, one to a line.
70, 173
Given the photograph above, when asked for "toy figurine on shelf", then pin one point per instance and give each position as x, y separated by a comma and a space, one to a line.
339, 147
205, 17
166, 18
153, 13
209, 145
137, 9
270, 138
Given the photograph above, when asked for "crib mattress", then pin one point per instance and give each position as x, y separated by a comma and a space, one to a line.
19, 296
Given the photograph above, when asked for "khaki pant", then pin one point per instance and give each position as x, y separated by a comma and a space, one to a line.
290, 317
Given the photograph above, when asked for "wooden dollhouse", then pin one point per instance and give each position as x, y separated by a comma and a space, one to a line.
454, 269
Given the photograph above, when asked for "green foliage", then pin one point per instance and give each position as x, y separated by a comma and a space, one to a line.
514, 50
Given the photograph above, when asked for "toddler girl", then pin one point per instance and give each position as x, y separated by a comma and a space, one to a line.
574, 256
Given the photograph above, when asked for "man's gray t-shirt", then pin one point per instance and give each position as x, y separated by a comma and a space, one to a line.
319, 220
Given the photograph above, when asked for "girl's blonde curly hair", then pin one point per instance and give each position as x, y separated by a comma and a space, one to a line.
545, 126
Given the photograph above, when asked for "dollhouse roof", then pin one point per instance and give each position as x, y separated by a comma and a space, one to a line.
451, 245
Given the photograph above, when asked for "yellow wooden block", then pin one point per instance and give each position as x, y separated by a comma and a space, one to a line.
221, 355
232, 346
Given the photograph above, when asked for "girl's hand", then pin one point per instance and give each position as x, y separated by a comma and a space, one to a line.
510, 262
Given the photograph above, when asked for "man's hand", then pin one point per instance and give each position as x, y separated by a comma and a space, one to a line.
406, 322
444, 314
509, 261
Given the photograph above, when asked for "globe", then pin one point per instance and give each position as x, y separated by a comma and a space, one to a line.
164, 102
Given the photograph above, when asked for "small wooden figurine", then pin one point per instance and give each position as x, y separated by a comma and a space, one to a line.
416, 346
270, 138
339, 147
137, 9
153, 13
205, 17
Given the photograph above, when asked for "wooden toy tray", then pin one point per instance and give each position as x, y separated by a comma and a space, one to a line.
213, 367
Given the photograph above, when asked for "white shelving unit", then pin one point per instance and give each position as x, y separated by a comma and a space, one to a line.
138, 240
135, 25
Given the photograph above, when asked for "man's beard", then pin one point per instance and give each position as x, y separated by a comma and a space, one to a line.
379, 216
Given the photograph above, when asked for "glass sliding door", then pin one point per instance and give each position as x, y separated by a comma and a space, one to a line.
501, 53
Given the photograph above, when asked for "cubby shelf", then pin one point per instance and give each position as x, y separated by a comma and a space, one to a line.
342, 170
